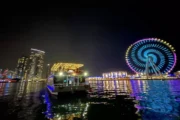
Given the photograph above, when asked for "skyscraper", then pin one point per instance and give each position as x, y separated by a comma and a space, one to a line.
21, 68
36, 61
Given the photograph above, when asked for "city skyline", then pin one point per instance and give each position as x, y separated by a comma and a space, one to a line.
30, 66
96, 37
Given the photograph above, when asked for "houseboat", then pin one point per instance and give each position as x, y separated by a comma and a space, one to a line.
67, 78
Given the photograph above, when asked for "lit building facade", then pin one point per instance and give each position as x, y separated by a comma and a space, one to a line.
119, 74
36, 61
94, 78
11, 74
111, 76
177, 74
21, 68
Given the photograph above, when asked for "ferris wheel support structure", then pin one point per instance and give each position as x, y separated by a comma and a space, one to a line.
150, 63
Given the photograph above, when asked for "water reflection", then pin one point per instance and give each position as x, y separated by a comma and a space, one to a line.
20, 100
109, 100
114, 87
66, 109
156, 99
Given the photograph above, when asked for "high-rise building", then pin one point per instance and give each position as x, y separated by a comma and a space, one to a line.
36, 61
21, 68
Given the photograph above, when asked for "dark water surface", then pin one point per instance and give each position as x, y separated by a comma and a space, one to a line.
110, 100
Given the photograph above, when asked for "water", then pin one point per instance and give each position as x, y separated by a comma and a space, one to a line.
110, 100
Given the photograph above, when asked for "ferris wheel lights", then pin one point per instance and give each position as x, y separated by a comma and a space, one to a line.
136, 60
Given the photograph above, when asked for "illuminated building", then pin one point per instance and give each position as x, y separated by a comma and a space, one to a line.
36, 61
118, 74
94, 78
111, 76
11, 74
21, 68
177, 74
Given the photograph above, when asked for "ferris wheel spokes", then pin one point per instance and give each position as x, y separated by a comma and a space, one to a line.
152, 56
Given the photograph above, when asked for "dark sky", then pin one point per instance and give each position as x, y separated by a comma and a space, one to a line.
85, 33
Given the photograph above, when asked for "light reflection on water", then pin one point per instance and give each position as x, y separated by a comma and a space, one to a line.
98, 105
135, 99
155, 99
20, 101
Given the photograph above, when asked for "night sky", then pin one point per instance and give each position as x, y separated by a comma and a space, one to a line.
85, 33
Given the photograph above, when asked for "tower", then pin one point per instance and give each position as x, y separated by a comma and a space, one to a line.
21, 68
36, 61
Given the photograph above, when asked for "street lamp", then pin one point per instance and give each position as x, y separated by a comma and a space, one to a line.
48, 65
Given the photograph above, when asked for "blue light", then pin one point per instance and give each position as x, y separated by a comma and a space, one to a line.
51, 88
48, 113
145, 48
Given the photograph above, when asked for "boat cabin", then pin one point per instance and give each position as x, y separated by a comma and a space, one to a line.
68, 74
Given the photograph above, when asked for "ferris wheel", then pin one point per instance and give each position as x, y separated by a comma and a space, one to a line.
151, 56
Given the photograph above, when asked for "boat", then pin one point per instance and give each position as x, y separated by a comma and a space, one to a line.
67, 79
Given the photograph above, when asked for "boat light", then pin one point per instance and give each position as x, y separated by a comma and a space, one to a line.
61, 74
85, 74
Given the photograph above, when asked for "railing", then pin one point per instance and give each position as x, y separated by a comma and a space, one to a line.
107, 79
127, 78
65, 84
